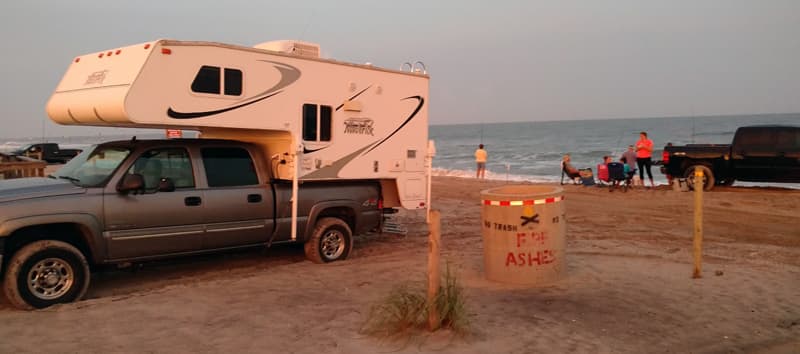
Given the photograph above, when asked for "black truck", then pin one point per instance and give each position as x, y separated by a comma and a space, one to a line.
49, 152
764, 153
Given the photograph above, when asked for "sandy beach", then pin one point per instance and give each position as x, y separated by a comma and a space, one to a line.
628, 287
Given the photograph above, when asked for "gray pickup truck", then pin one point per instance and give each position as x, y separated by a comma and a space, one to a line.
133, 201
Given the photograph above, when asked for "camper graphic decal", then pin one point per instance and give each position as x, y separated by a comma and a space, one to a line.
362, 126
413, 114
289, 74
354, 97
96, 77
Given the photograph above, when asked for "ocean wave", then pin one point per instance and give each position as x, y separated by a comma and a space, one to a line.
496, 176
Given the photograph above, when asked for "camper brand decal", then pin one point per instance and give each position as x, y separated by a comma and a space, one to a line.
96, 77
361, 126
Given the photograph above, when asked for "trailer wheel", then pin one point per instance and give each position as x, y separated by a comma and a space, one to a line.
331, 241
46, 273
708, 177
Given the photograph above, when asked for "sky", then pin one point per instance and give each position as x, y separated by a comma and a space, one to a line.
489, 61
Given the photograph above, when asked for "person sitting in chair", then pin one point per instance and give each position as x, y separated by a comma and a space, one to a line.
568, 170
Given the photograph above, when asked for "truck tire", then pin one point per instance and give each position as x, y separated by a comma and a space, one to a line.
331, 241
708, 177
46, 273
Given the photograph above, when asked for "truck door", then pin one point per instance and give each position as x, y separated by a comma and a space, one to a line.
156, 222
753, 154
787, 163
238, 208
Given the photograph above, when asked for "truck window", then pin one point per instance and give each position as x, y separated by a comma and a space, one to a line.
172, 163
93, 167
228, 167
788, 140
756, 140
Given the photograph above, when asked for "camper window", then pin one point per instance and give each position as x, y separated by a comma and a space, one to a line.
207, 80
317, 127
325, 123
233, 82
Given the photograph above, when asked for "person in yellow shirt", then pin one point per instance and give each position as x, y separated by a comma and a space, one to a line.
480, 159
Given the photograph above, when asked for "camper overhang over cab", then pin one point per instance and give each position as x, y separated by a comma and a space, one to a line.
319, 119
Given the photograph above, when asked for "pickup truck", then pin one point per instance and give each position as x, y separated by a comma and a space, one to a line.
50, 152
765, 153
132, 201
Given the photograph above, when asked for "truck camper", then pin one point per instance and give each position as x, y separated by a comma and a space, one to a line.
315, 118
270, 119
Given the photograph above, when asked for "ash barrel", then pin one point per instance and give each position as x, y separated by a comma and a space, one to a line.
524, 233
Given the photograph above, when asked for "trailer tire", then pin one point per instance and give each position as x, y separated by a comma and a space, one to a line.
331, 241
708, 177
45, 273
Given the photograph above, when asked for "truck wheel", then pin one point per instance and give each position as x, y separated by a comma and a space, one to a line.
708, 177
45, 273
331, 241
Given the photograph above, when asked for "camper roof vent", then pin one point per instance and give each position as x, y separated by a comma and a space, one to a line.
303, 49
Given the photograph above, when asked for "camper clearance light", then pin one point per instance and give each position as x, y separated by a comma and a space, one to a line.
166, 51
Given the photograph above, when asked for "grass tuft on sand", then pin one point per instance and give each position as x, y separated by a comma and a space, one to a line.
404, 312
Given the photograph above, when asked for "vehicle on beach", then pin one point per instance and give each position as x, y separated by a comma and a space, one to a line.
765, 153
49, 152
291, 148
132, 201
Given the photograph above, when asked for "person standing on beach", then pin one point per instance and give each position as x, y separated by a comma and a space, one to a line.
480, 160
644, 153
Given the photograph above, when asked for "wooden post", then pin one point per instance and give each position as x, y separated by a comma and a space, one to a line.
434, 238
698, 222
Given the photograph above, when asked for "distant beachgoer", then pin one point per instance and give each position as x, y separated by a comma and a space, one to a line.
480, 160
568, 170
630, 158
644, 153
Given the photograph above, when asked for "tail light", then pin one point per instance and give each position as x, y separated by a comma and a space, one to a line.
380, 203
665, 156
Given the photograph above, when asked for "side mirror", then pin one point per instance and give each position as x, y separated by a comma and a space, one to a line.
131, 183
166, 185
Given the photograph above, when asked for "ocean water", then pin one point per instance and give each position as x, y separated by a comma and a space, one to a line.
532, 151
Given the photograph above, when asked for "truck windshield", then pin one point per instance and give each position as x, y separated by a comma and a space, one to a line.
93, 167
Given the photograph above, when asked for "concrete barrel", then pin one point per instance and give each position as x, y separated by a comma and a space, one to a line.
524, 233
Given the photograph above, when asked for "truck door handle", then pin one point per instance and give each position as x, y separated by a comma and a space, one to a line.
192, 201
254, 198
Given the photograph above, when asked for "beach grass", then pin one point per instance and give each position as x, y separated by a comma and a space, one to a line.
404, 311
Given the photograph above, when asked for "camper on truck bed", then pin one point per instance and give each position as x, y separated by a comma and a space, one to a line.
292, 148
132, 201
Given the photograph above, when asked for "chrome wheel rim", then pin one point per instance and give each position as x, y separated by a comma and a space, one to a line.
332, 244
50, 278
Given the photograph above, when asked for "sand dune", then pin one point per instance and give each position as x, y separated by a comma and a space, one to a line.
628, 287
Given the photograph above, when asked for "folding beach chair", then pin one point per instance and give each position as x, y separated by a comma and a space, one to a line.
618, 177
